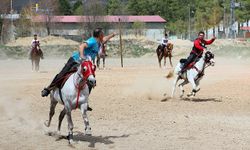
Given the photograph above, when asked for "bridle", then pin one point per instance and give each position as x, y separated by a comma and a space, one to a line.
83, 80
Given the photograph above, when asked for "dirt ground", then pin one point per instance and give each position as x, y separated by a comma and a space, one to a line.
131, 108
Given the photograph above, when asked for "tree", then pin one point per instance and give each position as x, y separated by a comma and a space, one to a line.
48, 8
24, 24
4, 23
78, 8
116, 7
242, 13
64, 7
138, 28
94, 11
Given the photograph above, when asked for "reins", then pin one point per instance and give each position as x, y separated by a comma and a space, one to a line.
79, 87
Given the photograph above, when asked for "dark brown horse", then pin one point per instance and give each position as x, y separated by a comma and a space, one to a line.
167, 52
36, 55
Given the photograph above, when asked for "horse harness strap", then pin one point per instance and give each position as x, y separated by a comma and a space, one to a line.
199, 71
79, 87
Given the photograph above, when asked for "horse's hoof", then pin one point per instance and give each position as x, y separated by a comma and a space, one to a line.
190, 95
88, 131
71, 141
46, 123
70, 138
88, 134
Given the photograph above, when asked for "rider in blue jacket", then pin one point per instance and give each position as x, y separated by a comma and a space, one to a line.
88, 49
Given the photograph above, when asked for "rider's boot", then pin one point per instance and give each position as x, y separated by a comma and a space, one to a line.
53, 84
45, 92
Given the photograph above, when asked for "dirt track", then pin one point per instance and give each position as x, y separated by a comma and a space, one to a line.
132, 109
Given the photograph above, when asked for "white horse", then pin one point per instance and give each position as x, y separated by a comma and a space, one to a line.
194, 74
74, 94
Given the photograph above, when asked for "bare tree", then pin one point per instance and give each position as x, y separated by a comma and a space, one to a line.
138, 28
24, 24
48, 8
94, 12
4, 23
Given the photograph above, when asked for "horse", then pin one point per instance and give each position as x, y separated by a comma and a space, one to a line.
74, 95
167, 52
193, 74
36, 55
102, 55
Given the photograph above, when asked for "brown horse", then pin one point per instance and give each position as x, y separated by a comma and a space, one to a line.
167, 52
36, 55
102, 55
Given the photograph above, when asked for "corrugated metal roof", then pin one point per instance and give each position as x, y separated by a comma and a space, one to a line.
75, 19
245, 28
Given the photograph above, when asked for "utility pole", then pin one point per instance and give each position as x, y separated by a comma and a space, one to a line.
120, 33
189, 23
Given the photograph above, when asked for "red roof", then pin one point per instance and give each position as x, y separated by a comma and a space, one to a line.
75, 19
245, 28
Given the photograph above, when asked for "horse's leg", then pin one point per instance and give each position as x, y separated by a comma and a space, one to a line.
181, 87
165, 61
197, 82
70, 126
174, 86
53, 104
170, 60
159, 59
61, 116
32, 62
191, 80
98, 62
103, 61
37, 63
85, 118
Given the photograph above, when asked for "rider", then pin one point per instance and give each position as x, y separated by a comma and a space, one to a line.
164, 42
197, 50
87, 49
104, 42
35, 44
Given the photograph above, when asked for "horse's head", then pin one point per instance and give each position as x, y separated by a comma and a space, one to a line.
87, 70
170, 46
209, 58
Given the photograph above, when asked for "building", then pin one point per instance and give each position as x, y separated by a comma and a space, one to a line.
150, 26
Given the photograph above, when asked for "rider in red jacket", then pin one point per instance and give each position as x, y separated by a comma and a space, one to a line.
197, 50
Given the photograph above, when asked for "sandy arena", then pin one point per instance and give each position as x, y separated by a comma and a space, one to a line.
131, 108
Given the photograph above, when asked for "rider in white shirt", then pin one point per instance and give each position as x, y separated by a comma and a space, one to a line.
34, 44
164, 41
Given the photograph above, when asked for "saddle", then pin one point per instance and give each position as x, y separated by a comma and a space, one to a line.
61, 81
190, 65
38, 52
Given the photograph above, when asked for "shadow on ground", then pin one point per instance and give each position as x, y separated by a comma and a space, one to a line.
201, 99
79, 136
